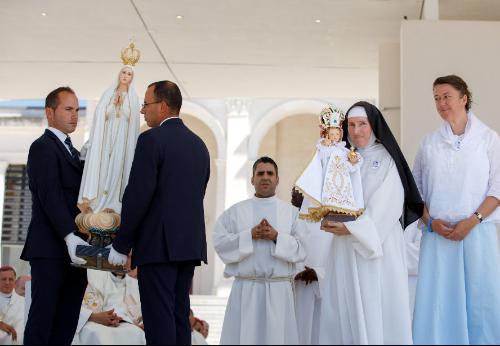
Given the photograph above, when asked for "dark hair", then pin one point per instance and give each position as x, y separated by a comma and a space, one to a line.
264, 159
458, 84
8, 269
52, 99
169, 92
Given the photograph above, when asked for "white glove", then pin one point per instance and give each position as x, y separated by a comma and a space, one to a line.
72, 241
116, 258
84, 150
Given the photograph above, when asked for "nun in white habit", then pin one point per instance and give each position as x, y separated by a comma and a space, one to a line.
365, 299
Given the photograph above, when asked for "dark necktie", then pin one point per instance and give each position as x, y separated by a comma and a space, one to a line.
74, 152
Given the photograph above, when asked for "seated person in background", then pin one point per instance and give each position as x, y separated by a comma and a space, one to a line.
111, 310
199, 330
11, 309
21, 284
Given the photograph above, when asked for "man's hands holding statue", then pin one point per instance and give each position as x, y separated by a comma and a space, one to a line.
72, 241
264, 231
116, 258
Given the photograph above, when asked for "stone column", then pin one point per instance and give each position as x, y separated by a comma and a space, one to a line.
238, 132
390, 86
234, 180
431, 10
218, 265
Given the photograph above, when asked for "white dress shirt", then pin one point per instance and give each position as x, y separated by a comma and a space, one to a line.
455, 174
176, 117
62, 137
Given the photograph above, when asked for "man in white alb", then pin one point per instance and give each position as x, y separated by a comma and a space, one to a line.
11, 309
259, 240
111, 310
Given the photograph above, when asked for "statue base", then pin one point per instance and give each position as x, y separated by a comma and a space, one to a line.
337, 217
96, 254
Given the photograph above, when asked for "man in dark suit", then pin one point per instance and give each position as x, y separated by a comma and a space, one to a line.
163, 217
54, 172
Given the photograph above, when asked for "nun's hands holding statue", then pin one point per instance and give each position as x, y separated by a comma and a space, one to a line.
337, 228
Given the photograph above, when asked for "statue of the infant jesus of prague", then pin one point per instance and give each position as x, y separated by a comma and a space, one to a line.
108, 156
331, 183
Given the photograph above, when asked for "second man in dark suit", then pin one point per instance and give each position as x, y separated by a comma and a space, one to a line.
163, 216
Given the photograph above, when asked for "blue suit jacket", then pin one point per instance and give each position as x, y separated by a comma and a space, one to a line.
162, 214
54, 181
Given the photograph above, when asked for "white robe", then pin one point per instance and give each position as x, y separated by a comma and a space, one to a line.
13, 314
366, 290
106, 292
413, 236
261, 307
308, 297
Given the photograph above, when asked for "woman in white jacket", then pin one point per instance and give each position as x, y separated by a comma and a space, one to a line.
457, 171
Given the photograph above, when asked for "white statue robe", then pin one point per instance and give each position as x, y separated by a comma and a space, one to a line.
261, 307
106, 292
12, 313
331, 181
366, 288
110, 151
308, 297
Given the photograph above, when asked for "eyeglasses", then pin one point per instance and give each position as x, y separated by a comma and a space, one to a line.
145, 104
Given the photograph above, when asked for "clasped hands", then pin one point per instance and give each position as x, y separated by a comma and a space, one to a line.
106, 318
264, 231
456, 233
10, 330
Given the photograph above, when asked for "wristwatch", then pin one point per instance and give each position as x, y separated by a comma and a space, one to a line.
479, 216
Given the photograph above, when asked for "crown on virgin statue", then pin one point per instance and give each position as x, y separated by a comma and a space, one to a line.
331, 116
130, 56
